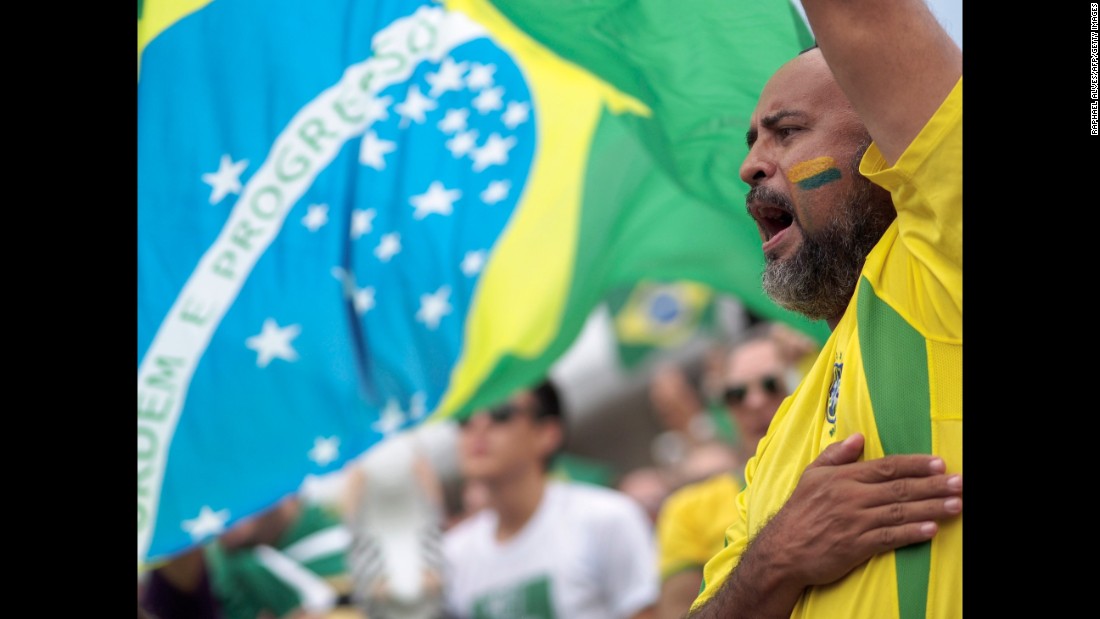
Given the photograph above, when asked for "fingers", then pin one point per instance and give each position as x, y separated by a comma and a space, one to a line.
897, 514
902, 524
898, 467
844, 452
892, 538
910, 490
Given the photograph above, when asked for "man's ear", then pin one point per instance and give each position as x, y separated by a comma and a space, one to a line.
551, 436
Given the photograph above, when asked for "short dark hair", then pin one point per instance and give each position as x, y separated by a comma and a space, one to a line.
548, 398
549, 401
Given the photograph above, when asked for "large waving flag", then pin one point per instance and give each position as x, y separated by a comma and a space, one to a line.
355, 216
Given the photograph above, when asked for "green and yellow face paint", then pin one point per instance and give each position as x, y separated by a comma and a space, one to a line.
814, 173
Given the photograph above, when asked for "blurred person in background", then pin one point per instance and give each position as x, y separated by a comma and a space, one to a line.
179, 589
649, 486
543, 548
288, 562
681, 414
760, 370
395, 509
706, 460
470, 497
757, 374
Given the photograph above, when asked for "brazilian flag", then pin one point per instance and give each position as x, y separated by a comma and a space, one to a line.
656, 316
355, 216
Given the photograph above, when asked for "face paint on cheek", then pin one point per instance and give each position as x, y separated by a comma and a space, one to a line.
814, 173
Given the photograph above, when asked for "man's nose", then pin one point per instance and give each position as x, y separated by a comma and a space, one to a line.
755, 398
757, 167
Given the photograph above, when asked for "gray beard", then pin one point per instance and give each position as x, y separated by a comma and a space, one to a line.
819, 279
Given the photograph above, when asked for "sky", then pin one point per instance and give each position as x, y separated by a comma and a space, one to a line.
949, 13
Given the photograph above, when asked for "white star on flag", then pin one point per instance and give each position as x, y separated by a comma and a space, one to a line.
433, 307
418, 405
489, 100
226, 180
437, 199
363, 300
449, 77
362, 220
207, 524
495, 152
372, 151
480, 75
388, 247
462, 143
454, 120
378, 108
390, 419
515, 114
274, 342
316, 216
496, 191
324, 450
414, 106
472, 262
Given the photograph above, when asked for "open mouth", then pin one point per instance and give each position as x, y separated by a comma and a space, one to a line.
771, 220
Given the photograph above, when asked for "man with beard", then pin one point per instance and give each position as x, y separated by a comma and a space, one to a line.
852, 502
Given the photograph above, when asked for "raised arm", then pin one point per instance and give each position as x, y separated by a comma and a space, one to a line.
892, 59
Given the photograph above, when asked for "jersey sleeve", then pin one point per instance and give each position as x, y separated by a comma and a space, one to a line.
721, 565
922, 276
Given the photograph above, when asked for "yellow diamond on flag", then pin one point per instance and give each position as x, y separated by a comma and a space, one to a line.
662, 314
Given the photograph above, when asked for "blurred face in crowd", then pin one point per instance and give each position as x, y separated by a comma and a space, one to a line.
507, 441
674, 399
818, 216
648, 486
755, 385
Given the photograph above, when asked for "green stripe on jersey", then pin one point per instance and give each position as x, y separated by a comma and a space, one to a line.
895, 360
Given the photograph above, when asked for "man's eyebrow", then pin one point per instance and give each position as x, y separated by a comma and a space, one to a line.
769, 122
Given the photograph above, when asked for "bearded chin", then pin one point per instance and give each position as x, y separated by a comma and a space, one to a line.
819, 279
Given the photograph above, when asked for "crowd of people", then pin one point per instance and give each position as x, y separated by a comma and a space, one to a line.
512, 536
837, 492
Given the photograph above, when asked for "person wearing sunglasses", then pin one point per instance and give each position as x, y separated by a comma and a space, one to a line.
542, 547
755, 376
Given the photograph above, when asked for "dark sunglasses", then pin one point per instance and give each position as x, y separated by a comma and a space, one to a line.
734, 395
502, 414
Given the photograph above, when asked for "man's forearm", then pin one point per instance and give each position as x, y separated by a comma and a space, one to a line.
892, 59
759, 587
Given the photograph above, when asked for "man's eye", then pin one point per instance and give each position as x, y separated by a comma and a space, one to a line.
786, 132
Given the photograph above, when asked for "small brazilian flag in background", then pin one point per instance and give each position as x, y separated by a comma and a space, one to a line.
356, 216
654, 316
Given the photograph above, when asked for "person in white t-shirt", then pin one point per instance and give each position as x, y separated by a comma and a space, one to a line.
543, 548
